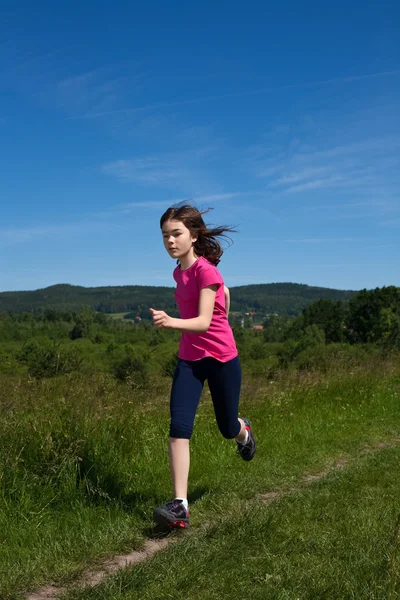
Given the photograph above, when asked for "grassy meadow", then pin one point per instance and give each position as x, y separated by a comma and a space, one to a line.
84, 462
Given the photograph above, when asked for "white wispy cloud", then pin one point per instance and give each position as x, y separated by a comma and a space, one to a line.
129, 207
387, 205
132, 206
391, 223
43, 77
91, 91
155, 169
19, 235
325, 182
377, 145
255, 92
322, 240
190, 170
363, 165
296, 177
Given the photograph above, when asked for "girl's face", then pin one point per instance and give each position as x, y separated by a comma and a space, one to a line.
178, 240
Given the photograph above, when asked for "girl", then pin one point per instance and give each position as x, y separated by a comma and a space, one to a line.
207, 349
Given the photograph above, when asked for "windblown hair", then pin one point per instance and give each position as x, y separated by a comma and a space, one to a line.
207, 244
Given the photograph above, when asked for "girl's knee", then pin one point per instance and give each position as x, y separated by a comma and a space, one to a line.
180, 431
229, 430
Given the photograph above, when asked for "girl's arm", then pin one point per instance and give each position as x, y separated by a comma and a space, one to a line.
198, 324
227, 299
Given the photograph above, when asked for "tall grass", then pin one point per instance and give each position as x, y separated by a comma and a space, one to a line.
332, 541
83, 458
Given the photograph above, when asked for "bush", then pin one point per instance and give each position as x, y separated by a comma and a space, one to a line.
46, 358
132, 369
169, 367
334, 357
287, 353
258, 350
266, 368
312, 337
9, 364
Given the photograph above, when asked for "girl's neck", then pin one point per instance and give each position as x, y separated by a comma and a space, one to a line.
188, 260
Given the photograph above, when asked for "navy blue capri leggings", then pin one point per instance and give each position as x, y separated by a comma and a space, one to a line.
224, 380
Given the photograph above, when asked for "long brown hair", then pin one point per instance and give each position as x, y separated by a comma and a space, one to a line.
206, 244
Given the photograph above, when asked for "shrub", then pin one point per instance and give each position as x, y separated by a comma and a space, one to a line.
169, 367
334, 357
258, 350
46, 358
132, 369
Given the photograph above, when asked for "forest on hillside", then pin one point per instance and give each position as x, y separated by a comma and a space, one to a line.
281, 298
53, 343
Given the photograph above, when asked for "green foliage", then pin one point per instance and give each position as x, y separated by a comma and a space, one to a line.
134, 352
287, 353
9, 364
83, 463
258, 350
83, 324
169, 366
389, 328
334, 357
46, 358
132, 369
275, 328
283, 298
157, 337
311, 337
329, 316
112, 299
373, 316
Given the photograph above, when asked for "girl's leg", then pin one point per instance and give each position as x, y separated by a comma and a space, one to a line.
185, 395
224, 381
241, 436
179, 463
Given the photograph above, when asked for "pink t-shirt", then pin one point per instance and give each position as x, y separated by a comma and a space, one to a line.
218, 340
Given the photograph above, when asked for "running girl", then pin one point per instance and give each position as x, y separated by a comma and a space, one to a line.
207, 349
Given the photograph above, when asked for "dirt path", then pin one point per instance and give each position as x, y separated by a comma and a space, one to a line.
151, 547
108, 567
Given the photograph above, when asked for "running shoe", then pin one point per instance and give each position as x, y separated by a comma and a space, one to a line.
172, 514
247, 450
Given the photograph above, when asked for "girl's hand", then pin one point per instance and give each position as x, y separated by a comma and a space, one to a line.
161, 319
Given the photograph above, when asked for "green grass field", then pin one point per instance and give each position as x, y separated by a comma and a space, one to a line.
84, 462
120, 315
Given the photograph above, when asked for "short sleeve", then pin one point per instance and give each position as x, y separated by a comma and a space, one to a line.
208, 274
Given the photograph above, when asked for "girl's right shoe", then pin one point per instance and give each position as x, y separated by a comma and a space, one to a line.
172, 514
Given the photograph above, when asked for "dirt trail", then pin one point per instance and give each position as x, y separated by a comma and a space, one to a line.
151, 547
108, 567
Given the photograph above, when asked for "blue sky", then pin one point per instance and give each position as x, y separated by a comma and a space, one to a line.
284, 117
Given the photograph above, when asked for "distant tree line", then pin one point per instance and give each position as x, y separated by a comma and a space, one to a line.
370, 317
51, 342
283, 298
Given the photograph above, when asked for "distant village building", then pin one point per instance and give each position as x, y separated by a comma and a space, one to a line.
258, 327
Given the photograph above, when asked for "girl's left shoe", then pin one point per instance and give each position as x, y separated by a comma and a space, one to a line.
172, 514
247, 450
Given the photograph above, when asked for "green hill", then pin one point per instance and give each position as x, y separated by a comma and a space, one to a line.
282, 298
